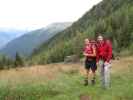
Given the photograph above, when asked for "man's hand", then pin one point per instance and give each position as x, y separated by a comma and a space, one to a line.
106, 63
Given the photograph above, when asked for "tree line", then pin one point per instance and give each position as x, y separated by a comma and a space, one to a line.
7, 63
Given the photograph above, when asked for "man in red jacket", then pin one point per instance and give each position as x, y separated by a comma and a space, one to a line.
104, 55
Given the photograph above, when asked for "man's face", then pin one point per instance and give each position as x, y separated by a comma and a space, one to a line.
100, 39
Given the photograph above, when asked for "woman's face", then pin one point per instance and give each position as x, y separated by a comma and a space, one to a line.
87, 41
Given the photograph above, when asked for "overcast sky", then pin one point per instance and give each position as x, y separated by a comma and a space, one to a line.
33, 14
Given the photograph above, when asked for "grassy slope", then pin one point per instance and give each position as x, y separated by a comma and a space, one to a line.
109, 17
64, 82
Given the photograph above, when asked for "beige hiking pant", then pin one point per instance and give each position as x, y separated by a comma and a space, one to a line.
105, 74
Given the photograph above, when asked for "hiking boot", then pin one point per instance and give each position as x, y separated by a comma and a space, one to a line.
85, 82
93, 82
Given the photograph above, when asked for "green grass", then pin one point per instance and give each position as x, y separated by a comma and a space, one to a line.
69, 86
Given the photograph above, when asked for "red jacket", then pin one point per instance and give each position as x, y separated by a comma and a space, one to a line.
104, 51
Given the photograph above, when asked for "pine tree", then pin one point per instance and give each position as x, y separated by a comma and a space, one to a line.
18, 61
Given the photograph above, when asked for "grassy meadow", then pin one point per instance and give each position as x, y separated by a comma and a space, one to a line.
62, 81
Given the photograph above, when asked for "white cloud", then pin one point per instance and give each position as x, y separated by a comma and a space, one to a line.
38, 13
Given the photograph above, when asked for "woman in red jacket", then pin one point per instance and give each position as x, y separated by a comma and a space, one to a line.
104, 55
90, 61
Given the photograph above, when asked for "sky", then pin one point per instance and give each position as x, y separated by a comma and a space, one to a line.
34, 14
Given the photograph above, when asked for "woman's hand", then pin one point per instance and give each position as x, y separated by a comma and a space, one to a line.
85, 54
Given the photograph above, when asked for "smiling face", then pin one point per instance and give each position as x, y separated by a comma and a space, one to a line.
87, 41
100, 39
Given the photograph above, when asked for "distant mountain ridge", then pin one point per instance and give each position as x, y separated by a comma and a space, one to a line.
6, 35
25, 44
